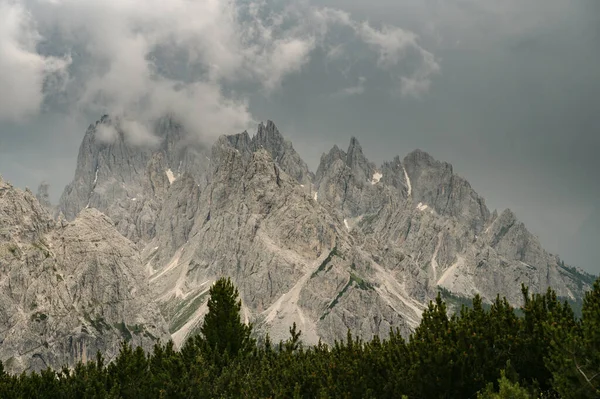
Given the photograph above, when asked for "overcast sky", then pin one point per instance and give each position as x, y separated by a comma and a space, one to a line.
507, 91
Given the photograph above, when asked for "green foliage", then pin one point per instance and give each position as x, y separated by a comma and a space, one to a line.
14, 250
507, 390
39, 316
580, 277
454, 301
334, 252
575, 304
574, 358
223, 330
361, 283
485, 352
122, 328
185, 311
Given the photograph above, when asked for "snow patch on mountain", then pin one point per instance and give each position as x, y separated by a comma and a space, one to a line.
407, 181
170, 176
376, 178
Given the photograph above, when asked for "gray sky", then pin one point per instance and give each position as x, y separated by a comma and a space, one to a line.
505, 91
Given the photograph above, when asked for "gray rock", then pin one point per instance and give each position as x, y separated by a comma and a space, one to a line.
128, 182
351, 185
255, 212
68, 290
435, 184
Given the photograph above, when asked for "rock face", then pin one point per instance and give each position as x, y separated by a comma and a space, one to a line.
127, 180
68, 290
355, 245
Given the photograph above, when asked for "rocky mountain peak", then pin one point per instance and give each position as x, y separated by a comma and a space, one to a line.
434, 183
128, 181
424, 159
327, 161
394, 175
354, 146
281, 150
43, 194
241, 141
269, 137
356, 246
362, 169
21, 215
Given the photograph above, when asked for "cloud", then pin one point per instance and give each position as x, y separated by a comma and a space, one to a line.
106, 133
419, 82
137, 133
197, 59
393, 46
390, 42
357, 89
24, 72
288, 56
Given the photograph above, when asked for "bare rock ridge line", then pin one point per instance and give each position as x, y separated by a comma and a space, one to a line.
354, 245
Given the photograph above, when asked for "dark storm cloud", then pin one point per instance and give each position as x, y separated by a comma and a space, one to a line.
515, 109
505, 91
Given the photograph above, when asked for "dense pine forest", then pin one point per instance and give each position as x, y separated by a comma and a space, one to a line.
541, 350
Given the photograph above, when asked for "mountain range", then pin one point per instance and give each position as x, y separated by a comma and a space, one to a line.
143, 230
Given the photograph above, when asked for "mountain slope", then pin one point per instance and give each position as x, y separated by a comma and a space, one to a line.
68, 290
355, 245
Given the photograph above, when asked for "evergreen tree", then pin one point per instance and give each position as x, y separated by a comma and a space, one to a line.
488, 353
507, 390
128, 372
533, 343
575, 350
4, 382
223, 330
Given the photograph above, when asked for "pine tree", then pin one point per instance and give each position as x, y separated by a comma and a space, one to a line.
507, 390
575, 350
128, 371
4, 382
223, 330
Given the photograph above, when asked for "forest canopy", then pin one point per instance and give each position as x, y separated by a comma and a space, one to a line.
491, 351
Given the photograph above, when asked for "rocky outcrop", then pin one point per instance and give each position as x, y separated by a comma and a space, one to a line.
350, 184
128, 181
281, 151
68, 290
435, 185
290, 259
356, 245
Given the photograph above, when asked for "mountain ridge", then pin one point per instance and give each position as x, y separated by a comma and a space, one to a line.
353, 245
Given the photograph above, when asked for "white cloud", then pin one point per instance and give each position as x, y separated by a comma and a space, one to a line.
393, 45
118, 75
357, 89
23, 71
288, 56
106, 133
119, 69
418, 84
137, 133
390, 42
